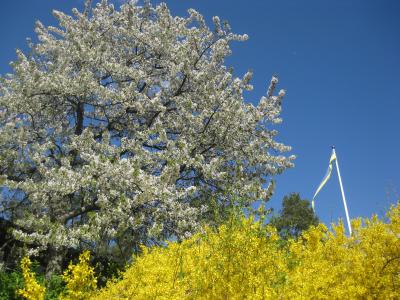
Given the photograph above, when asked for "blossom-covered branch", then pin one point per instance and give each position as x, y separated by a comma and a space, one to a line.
126, 124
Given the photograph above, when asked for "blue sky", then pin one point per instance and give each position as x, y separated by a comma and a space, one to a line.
339, 62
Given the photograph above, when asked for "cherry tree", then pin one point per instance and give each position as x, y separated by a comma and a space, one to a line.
124, 127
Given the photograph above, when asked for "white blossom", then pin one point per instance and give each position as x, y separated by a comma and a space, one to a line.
126, 123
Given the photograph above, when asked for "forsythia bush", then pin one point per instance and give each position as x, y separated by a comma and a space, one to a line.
236, 261
247, 260
80, 279
329, 265
32, 289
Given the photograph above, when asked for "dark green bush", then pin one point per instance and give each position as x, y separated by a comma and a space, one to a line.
9, 283
54, 286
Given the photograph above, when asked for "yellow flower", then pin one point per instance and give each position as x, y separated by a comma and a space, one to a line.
245, 259
32, 289
80, 279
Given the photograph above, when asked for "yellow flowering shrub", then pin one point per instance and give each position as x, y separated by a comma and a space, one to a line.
32, 289
80, 279
331, 265
246, 260
239, 260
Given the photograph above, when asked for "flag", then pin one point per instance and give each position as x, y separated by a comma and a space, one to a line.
326, 178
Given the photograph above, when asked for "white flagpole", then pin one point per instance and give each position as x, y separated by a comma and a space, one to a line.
341, 188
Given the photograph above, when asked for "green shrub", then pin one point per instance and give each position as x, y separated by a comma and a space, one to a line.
54, 287
10, 282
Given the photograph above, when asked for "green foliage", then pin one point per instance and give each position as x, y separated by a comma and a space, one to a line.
295, 217
54, 287
10, 282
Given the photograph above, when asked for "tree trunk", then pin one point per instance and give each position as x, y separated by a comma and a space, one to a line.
54, 261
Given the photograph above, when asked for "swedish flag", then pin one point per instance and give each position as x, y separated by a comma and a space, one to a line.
326, 177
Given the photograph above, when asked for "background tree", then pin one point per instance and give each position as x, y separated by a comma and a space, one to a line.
295, 217
124, 127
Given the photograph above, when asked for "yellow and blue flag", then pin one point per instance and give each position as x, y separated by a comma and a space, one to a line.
326, 177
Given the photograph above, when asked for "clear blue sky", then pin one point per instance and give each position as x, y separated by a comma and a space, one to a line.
340, 64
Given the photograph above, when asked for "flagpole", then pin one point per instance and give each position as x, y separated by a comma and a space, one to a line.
341, 188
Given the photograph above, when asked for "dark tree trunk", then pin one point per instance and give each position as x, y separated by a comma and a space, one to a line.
54, 261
